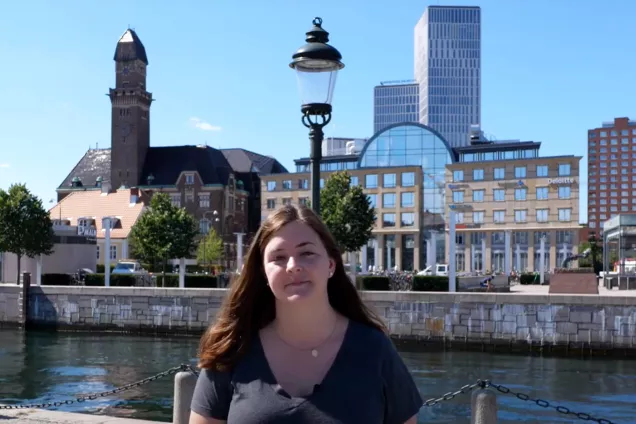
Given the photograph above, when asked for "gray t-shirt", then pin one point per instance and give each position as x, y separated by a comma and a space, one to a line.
367, 383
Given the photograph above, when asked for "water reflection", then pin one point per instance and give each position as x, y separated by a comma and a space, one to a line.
41, 367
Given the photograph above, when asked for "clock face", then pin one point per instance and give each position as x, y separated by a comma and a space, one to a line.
126, 70
125, 129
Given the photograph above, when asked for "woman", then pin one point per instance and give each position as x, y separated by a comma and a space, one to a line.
293, 342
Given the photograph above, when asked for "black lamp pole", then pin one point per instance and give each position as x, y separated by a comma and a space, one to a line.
316, 64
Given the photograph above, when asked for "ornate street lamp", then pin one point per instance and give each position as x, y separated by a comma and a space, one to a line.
316, 64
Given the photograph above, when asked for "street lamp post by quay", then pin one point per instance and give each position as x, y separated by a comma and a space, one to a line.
316, 64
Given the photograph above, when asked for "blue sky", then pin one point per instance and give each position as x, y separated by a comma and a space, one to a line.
551, 69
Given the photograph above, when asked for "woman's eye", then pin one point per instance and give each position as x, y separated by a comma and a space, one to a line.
307, 253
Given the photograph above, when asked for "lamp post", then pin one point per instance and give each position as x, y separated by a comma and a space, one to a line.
316, 65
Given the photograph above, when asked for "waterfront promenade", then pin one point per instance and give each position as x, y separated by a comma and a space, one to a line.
41, 416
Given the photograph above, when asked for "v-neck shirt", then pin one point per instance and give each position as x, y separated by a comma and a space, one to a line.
368, 382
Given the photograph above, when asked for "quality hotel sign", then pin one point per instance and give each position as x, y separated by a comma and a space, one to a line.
560, 181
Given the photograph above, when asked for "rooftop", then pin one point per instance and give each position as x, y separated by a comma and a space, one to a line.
130, 47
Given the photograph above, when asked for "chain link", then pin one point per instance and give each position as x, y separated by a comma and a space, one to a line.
93, 396
451, 395
545, 404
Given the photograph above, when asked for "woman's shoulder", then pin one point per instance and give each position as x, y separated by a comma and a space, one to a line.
367, 336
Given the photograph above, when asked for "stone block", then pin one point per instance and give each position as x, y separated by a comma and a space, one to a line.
460, 330
583, 317
566, 328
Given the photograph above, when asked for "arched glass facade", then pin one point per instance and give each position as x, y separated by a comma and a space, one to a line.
414, 144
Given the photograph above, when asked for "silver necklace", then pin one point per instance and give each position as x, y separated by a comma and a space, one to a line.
314, 351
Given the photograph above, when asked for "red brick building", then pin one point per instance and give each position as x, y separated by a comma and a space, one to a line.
220, 187
611, 156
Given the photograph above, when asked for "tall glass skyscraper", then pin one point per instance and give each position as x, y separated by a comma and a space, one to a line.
448, 70
395, 102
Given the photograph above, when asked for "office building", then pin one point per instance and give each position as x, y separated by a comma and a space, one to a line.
611, 155
395, 102
402, 170
448, 70
499, 188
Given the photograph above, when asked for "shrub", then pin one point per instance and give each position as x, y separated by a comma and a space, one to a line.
56, 279
375, 282
432, 283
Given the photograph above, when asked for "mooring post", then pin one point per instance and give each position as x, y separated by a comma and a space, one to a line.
184, 383
483, 406
24, 305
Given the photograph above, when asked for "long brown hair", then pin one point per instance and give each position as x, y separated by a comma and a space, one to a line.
250, 304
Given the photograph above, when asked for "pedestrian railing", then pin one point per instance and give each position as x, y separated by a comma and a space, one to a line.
483, 398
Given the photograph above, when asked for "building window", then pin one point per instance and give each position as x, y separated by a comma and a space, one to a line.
499, 173
478, 217
542, 193
189, 179
303, 201
371, 181
564, 192
389, 180
542, 215
565, 215
520, 172
408, 179
499, 217
204, 200
407, 219
113, 252
204, 226
478, 174
287, 201
373, 200
499, 195
175, 199
458, 197
271, 203
97, 252
459, 217
271, 185
542, 170
564, 170
322, 183
287, 185
388, 200
189, 198
303, 184
478, 195
458, 176
520, 193
407, 199
521, 215
388, 220
354, 181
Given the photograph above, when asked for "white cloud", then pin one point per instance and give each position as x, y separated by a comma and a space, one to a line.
4, 165
202, 125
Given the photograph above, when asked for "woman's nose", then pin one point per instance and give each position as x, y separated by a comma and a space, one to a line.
293, 265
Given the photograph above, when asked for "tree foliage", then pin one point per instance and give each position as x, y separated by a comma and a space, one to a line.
164, 232
347, 212
25, 226
210, 248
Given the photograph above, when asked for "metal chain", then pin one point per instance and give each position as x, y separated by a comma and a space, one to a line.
93, 396
451, 395
545, 404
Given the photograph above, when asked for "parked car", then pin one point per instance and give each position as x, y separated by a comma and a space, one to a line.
441, 269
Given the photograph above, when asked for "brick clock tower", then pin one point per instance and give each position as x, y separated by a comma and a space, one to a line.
130, 124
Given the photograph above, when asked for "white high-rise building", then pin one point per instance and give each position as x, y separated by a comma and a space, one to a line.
448, 70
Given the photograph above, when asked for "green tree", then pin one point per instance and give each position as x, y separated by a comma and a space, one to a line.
164, 232
25, 226
347, 212
210, 248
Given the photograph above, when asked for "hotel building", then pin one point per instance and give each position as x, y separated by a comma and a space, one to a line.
401, 169
507, 187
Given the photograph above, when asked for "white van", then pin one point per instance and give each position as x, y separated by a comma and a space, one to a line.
440, 269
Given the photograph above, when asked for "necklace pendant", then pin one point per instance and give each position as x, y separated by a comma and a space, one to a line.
314, 353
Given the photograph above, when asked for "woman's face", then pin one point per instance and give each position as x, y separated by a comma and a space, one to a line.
296, 263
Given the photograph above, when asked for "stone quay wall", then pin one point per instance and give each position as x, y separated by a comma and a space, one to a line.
449, 319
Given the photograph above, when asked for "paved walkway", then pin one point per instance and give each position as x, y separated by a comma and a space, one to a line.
40, 416
538, 289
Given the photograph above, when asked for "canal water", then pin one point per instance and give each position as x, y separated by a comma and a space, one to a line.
40, 367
